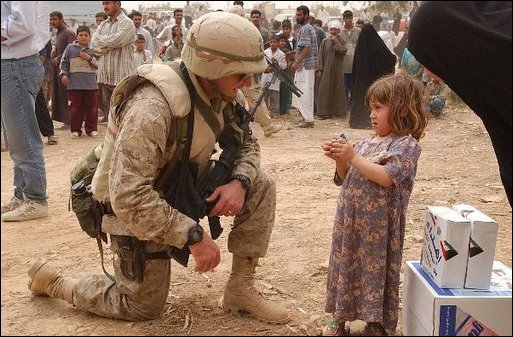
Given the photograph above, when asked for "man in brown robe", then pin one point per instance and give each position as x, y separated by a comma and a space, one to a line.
63, 37
331, 99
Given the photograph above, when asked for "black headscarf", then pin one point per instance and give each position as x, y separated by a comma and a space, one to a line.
468, 44
372, 59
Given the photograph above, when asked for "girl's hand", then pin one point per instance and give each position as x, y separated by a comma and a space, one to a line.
341, 150
326, 147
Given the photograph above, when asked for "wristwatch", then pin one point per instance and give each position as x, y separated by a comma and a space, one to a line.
195, 235
245, 182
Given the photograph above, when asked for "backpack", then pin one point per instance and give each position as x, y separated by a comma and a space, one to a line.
88, 211
81, 198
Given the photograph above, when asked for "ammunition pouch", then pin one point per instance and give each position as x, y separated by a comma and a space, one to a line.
131, 253
132, 256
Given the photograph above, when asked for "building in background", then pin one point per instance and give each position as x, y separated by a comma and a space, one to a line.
77, 13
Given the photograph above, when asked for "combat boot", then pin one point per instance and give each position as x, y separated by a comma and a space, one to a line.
271, 128
241, 295
46, 281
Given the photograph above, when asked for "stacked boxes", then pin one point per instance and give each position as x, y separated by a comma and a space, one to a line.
445, 249
457, 289
429, 310
483, 237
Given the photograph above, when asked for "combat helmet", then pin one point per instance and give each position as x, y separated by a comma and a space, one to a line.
220, 44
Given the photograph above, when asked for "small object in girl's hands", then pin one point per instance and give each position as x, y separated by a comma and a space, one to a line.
342, 136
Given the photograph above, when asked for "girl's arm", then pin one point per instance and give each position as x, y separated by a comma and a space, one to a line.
343, 152
373, 172
340, 172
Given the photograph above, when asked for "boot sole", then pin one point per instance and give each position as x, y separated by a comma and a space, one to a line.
236, 311
32, 273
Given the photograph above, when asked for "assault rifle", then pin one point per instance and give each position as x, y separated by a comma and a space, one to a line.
283, 76
231, 144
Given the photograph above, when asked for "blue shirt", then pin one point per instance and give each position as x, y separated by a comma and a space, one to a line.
25, 27
81, 73
410, 63
308, 38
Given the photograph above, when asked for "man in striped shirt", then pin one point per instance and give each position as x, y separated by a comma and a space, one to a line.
305, 64
114, 42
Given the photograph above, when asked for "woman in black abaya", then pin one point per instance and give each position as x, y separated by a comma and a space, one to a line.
372, 59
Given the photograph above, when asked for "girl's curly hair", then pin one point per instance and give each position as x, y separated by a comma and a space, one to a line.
404, 96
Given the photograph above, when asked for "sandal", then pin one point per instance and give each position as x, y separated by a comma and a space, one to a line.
52, 140
332, 329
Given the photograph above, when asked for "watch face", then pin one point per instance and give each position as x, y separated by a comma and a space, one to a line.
195, 234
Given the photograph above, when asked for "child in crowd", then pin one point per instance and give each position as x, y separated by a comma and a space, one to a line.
287, 46
275, 55
174, 50
436, 94
376, 175
142, 55
176, 31
78, 74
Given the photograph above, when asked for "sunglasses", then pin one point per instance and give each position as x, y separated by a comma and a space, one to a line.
243, 77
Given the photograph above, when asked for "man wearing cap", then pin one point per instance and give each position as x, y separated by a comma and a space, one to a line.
220, 52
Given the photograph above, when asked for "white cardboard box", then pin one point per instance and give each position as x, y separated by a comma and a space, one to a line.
483, 238
445, 247
428, 310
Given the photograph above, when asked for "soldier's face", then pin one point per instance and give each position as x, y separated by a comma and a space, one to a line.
228, 86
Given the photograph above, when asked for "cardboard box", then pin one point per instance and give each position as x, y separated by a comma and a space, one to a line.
428, 310
483, 238
445, 248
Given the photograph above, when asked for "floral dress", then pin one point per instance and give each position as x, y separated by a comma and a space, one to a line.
368, 233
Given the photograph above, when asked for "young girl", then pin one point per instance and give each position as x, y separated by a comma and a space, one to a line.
376, 176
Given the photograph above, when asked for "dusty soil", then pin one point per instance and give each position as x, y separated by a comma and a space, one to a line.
457, 165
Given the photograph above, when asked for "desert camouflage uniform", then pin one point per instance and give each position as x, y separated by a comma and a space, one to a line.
251, 94
138, 142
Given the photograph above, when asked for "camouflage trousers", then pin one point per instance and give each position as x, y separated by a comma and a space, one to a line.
138, 300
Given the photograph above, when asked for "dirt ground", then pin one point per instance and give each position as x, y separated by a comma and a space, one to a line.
457, 165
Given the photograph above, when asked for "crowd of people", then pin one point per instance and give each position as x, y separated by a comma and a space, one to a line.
198, 74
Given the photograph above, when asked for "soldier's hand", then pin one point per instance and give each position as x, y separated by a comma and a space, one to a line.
206, 254
229, 199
